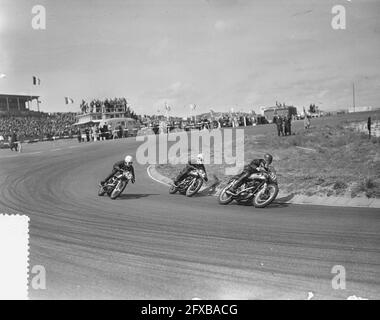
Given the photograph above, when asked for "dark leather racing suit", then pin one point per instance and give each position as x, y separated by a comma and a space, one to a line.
252, 167
120, 166
185, 171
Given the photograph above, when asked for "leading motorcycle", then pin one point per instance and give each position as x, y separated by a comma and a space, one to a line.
115, 185
191, 184
259, 189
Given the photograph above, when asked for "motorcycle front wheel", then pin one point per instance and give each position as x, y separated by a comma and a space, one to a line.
173, 189
265, 197
194, 187
118, 189
225, 198
101, 191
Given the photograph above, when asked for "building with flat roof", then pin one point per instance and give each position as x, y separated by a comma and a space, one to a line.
279, 110
99, 111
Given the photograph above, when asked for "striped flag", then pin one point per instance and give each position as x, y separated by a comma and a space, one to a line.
69, 100
36, 81
167, 107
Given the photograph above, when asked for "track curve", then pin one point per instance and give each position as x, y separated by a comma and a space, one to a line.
149, 244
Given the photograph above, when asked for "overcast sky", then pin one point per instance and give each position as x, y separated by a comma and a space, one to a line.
213, 53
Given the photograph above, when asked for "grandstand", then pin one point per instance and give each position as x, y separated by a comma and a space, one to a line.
17, 117
16, 104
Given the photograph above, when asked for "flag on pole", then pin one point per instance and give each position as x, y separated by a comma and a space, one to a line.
3, 75
167, 107
36, 81
69, 100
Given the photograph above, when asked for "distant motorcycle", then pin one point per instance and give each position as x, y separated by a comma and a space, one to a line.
115, 185
259, 190
191, 184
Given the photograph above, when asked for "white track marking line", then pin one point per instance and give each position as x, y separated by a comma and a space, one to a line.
20, 154
56, 149
306, 149
9, 156
150, 176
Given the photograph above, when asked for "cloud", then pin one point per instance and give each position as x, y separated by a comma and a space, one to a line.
159, 47
175, 87
172, 94
322, 93
222, 25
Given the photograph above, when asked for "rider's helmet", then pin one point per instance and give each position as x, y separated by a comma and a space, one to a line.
268, 159
200, 158
128, 161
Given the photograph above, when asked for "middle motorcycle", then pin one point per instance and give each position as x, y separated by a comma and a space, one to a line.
259, 190
191, 184
115, 185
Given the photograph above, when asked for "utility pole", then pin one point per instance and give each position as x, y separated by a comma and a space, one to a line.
353, 95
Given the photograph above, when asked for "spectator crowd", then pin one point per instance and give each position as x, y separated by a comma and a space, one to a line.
101, 106
37, 127
47, 126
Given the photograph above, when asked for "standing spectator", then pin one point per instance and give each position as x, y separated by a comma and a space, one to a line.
87, 131
286, 127
93, 133
279, 126
79, 135
289, 125
369, 123
105, 132
97, 132
120, 131
306, 122
13, 142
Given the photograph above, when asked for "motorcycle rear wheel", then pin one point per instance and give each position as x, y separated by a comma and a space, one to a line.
101, 191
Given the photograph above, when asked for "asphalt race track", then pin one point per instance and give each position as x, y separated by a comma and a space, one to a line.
152, 245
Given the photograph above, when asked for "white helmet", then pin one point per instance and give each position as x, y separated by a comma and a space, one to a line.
200, 158
128, 160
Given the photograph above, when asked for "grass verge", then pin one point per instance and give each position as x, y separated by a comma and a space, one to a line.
329, 159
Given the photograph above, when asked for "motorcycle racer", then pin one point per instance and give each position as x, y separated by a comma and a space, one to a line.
255, 166
192, 164
123, 165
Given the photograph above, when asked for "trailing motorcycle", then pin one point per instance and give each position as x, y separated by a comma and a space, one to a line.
191, 184
258, 189
115, 185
